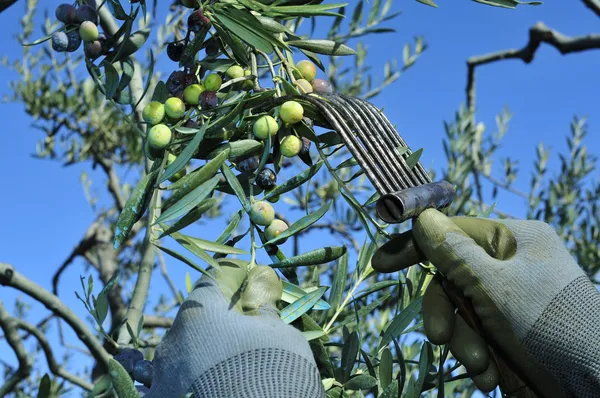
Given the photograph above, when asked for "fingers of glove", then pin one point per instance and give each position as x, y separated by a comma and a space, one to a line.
398, 253
262, 291
446, 245
468, 347
494, 237
489, 379
438, 314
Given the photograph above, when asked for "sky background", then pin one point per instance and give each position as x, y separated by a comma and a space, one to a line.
45, 210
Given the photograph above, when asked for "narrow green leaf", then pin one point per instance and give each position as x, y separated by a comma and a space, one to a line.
191, 217
401, 322
161, 93
238, 148
413, 158
360, 382
134, 207
338, 283
235, 221
116, 9
45, 386
326, 47
428, 2
234, 43
196, 250
295, 181
235, 185
184, 259
308, 10
121, 380
507, 3
374, 198
207, 245
385, 368
313, 334
301, 224
189, 201
185, 156
302, 305
349, 353
190, 181
111, 82
101, 307
292, 293
391, 391
314, 257
351, 162
244, 32
425, 360
188, 283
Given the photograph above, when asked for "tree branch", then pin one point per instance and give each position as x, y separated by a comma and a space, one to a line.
593, 5
4, 4
153, 321
10, 277
9, 326
54, 367
538, 34
113, 184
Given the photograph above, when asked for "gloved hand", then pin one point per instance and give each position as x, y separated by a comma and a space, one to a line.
531, 297
227, 341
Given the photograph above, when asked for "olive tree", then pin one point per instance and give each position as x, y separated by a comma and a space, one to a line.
219, 140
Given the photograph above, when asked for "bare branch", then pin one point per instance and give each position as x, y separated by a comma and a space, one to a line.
9, 326
538, 34
54, 367
4, 4
593, 5
10, 277
153, 321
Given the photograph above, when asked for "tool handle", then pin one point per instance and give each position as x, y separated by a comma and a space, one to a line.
511, 383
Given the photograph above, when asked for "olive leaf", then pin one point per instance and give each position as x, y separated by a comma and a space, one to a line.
302, 305
360, 382
183, 259
318, 256
327, 47
189, 201
400, 322
292, 293
349, 353
295, 181
185, 156
338, 283
134, 207
121, 380
194, 215
45, 387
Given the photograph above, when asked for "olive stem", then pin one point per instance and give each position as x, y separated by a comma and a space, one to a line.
287, 66
272, 70
350, 294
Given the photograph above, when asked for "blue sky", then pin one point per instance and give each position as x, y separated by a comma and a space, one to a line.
45, 211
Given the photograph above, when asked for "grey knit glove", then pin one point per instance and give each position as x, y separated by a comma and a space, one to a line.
530, 295
228, 341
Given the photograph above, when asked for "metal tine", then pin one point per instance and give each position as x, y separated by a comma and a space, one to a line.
419, 172
385, 152
338, 124
373, 146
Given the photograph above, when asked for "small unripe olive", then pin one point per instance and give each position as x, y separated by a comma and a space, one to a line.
291, 112
175, 108
275, 229
307, 69
213, 82
304, 86
291, 146
234, 71
88, 31
191, 94
154, 112
247, 85
262, 213
170, 159
159, 136
264, 126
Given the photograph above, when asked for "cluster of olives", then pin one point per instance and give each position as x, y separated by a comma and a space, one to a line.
139, 369
80, 25
305, 74
263, 214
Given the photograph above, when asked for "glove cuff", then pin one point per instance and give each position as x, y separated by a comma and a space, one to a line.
267, 373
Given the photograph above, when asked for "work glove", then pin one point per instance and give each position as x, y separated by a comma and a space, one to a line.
531, 297
228, 340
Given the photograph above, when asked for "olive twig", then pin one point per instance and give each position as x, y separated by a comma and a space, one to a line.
286, 64
272, 70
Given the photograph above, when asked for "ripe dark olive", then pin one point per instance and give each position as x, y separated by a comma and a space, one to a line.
305, 147
128, 357
208, 99
178, 81
143, 371
212, 47
175, 51
197, 20
266, 179
248, 165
